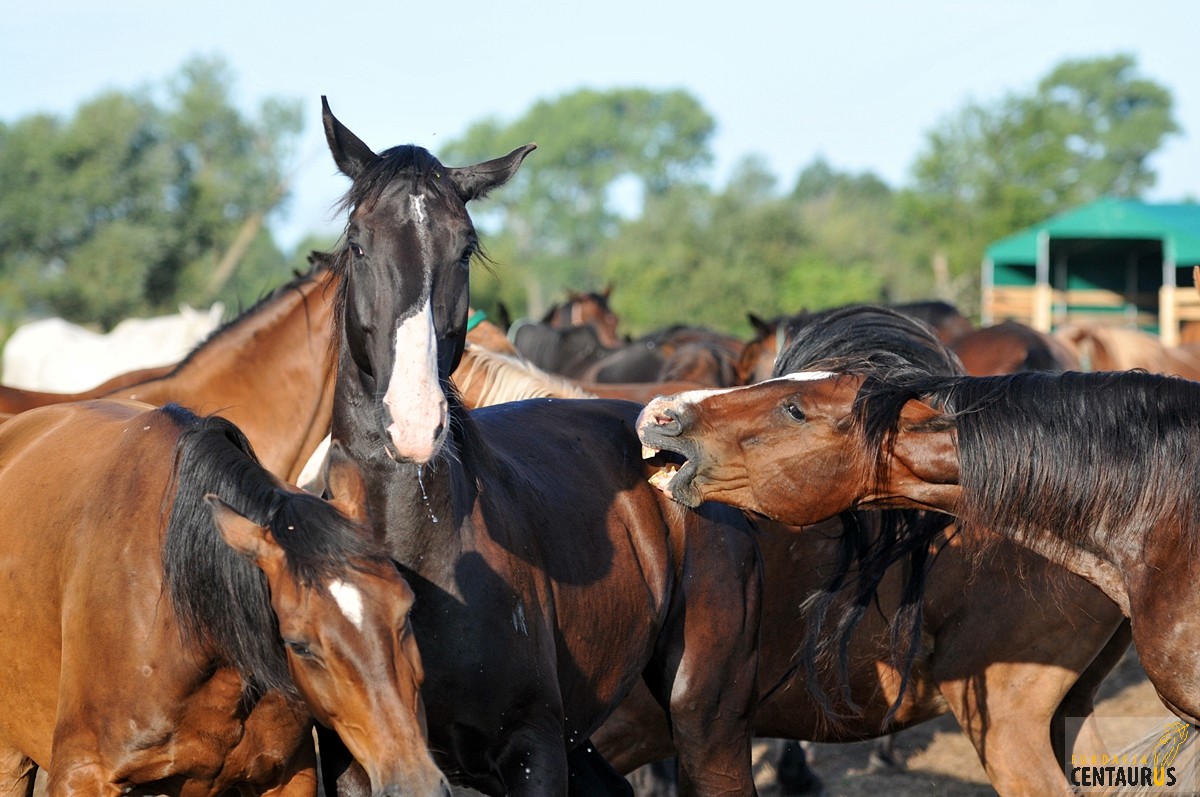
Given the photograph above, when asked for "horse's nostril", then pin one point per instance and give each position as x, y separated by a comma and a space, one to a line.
438, 431
663, 420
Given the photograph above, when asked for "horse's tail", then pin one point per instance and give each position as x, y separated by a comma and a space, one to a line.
220, 598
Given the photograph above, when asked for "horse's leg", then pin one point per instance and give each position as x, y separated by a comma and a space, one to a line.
1080, 698
299, 779
656, 779
341, 775
80, 777
884, 757
17, 773
713, 652
1006, 713
796, 775
533, 761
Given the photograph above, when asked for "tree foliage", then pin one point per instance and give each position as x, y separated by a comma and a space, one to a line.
595, 149
144, 199
1088, 130
704, 258
128, 207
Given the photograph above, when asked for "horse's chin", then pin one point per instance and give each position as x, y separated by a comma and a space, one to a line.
683, 488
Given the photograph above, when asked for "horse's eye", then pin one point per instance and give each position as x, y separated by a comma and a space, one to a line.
356, 250
794, 411
299, 648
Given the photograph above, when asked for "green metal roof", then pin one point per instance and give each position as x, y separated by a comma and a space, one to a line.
1176, 225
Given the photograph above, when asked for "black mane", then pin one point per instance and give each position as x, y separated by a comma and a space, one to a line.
221, 598
877, 342
1094, 460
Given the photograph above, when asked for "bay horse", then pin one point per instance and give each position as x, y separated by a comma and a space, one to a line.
587, 308
1012, 658
176, 616
1097, 472
549, 575
1010, 347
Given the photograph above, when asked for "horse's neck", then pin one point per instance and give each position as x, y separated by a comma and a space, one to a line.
924, 469
271, 372
414, 509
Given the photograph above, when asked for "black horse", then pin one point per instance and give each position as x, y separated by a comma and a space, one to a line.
550, 577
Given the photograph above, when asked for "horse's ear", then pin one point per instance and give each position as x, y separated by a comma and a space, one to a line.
928, 450
607, 292
473, 182
347, 488
916, 415
761, 327
244, 535
349, 152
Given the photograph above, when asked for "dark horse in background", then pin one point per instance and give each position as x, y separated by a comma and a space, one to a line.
175, 617
1009, 643
549, 576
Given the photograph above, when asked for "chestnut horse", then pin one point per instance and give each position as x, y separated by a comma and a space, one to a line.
549, 575
1102, 347
270, 371
175, 616
1096, 472
1010, 676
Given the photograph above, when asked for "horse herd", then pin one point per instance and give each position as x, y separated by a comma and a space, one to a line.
827, 533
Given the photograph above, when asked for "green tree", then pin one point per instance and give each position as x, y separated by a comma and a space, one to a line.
132, 206
705, 258
1088, 130
599, 152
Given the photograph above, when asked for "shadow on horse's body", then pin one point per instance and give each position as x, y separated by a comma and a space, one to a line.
549, 576
1009, 643
144, 654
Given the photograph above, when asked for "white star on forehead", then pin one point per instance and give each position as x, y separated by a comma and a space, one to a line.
349, 600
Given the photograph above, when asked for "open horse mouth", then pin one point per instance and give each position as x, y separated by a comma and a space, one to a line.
663, 431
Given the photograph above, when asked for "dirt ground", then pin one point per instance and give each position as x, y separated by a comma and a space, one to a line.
942, 763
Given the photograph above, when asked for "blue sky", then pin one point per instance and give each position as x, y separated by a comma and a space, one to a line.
858, 82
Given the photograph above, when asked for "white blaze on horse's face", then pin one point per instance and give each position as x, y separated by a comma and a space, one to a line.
697, 396
349, 600
414, 399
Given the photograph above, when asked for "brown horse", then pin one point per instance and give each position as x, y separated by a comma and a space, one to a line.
1011, 347
270, 371
1010, 676
175, 616
549, 576
1096, 472
16, 399
590, 309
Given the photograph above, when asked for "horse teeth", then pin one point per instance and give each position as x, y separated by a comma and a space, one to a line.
648, 452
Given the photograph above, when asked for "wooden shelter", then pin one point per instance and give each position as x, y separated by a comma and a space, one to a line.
1116, 260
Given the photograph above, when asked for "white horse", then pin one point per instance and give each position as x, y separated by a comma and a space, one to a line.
56, 355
